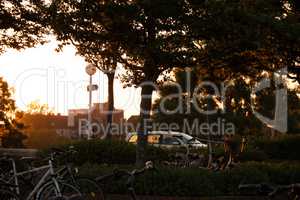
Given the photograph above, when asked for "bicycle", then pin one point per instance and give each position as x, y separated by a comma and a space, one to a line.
88, 187
49, 187
131, 176
6, 192
290, 192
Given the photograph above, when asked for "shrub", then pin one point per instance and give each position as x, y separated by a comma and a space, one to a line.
110, 152
121, 152
105, 151
200, 182
253, 155
262, 149
283, 148
44, 138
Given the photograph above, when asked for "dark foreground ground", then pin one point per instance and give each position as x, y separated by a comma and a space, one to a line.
123, 197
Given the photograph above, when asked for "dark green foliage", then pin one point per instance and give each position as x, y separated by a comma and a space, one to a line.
150, 37
17, 26
120, 152
105, 152
102, 157
202, 182
111, 152
253, 155
13, 139
238, 104
285, 148
237, 38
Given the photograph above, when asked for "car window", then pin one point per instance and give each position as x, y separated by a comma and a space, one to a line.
194, 141
133, 139
171, 141
181, 138
153, 139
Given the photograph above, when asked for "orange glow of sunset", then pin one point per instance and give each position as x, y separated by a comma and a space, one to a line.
59, 80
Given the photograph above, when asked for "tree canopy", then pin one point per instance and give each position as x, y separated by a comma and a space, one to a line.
11, 132
223, 39
18, 27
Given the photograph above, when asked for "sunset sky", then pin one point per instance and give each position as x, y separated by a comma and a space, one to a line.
59, 80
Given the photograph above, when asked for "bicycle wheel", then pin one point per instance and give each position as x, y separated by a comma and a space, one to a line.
89, 188
49, 192
8, 195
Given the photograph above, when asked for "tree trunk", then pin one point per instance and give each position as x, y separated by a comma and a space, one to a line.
145, 109
110, 77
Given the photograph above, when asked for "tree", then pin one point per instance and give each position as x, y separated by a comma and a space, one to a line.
154, 38
151, 35
243, 38
35, 107
17, 27
237, 104
11, 135
240, 39
77, 27
232, 37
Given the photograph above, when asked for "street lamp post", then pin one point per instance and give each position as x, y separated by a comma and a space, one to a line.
90, 70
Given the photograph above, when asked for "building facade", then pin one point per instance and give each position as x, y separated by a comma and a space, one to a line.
75, 124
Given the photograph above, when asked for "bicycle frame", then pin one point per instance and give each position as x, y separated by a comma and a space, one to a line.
49, 173
67, 172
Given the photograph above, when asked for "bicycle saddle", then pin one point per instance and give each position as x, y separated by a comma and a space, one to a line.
28, 160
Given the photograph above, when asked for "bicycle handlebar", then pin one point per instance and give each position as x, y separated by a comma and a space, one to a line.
55, 152
120, 173
59, 151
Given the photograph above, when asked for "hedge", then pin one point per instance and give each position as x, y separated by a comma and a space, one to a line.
110, 152
200, 182
121, 152
98, 157
285, 147
282, 148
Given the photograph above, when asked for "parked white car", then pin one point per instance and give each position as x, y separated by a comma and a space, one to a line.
168, 139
